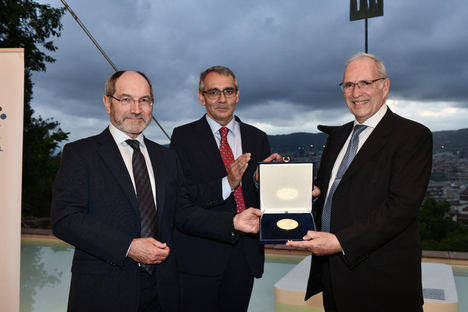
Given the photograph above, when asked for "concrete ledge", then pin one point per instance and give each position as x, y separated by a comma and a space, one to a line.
440, 293
435, 254
285, 250
437, 278
457, 255
290, 291
448, 257
36, 231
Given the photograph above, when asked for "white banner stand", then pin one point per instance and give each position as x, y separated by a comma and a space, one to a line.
11, 159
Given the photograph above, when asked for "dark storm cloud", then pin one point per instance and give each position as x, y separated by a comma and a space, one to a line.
288, 56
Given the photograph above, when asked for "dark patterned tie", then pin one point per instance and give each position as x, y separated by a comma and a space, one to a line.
228, 158
144, 195
348, 157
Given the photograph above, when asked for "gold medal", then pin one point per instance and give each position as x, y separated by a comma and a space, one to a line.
287, 224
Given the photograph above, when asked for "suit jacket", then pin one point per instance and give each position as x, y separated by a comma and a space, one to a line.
374, 216
204, 169
95, 209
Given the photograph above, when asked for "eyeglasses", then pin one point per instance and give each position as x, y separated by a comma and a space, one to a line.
216, 93
126, 100
364, 85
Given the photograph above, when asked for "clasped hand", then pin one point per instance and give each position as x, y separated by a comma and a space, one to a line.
148, 250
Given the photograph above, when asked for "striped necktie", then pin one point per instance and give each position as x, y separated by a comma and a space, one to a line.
145, 196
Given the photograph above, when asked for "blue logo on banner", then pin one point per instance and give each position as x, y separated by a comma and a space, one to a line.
2, 116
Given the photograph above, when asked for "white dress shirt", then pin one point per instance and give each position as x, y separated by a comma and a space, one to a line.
371, 123
234, 141
127, 152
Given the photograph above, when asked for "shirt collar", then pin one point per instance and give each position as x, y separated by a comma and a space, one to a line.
216, 126
121, 137
374, 120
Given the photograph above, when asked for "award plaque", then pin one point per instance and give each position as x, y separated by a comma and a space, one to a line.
285, 200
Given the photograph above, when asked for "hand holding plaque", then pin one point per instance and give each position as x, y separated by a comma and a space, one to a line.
247, 221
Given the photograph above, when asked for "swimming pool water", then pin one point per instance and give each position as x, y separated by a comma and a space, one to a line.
45, 278
45, 275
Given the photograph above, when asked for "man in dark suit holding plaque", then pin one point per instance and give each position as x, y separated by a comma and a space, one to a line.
373, 176
116, 198
219, 155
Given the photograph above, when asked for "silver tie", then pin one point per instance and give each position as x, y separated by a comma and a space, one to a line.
348, 157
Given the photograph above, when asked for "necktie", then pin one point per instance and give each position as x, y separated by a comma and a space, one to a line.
228, 158
144, 195
348, 157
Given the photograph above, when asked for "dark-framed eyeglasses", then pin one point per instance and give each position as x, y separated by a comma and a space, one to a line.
126, 100
364, 85
216, 93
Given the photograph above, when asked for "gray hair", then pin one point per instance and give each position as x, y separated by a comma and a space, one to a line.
378, 62
222, 70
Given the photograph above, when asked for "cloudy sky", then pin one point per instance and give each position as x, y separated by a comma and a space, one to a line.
288, 56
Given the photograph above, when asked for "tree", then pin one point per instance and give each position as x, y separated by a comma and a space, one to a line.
29, 25
438, 231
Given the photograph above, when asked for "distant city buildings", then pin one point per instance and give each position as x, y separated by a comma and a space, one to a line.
449, 181
449, 178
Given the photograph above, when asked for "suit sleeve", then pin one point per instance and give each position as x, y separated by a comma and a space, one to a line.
209, 193
322, 184
257, 144
265, 147
320, 179
410, 167
71, 220
197, 221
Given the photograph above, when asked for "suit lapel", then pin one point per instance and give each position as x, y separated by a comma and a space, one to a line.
335, 145
247, 143
111, 156
209, 146
374, 143
247, 146
159, 171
